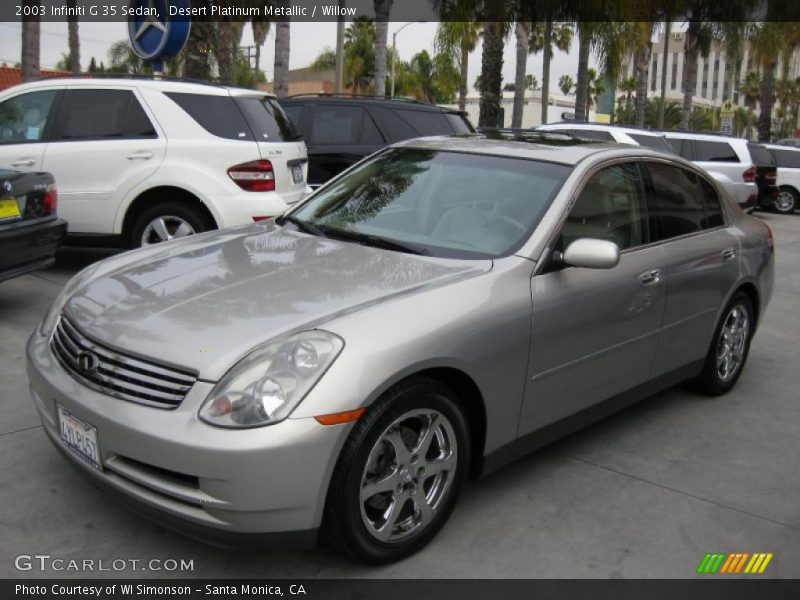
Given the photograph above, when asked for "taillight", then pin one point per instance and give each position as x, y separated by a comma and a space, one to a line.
772, 177
50, 200
255, 176
749, 176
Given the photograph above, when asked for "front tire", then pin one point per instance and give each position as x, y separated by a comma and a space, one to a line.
399, 474
787, 200
729, 347
167, 221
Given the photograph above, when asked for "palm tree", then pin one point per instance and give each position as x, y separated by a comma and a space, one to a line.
565, 84
585, 32
31, 29
594, 89
544, 36
750, 88
122, 59
197, 53
382, 10
491, 77
522, 31
280, 85
260, 30
457, 39
628, 86
74, 40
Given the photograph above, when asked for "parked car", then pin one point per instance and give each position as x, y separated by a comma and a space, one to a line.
341, 130
789, 142
766, 174
443, 308
788, 161
621, 134
30, 231
145, 161
726, 159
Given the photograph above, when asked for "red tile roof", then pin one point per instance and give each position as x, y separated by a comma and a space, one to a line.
11, 76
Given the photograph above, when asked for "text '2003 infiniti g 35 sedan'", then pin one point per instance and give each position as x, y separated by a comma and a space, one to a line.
443, 307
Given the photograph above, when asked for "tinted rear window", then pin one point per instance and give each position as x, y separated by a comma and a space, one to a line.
715, 151
787, 159
459, 123
675, 201
682, 147
92, 114
295, 113
425, 122
656, 142
761, 156
267, 120
219, 115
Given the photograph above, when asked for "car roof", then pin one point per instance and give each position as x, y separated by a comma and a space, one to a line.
163, 85
774, 146
704, 135
601, 127
549, 148
405, 103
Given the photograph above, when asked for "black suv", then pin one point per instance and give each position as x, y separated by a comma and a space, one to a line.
341, 130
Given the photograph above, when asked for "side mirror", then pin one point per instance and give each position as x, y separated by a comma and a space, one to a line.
590, 253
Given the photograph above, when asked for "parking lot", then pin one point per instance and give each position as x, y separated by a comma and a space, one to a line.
645, 493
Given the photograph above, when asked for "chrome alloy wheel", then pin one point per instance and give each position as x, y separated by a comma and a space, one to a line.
733, 342
165, 228
408, 475
785, 201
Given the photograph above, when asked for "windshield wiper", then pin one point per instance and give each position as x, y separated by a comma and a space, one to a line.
303, 226
376, 241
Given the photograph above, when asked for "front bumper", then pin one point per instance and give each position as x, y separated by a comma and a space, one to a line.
25, 247
211, 483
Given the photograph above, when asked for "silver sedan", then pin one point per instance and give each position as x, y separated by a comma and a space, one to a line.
437, 311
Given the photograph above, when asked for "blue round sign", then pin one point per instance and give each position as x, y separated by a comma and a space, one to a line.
157, 28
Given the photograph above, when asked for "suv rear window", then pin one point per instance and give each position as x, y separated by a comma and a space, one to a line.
682, 147
426, 122
656, 142
459, 123
267, 119
715, 151
218, 115
93, 114
761, 156
787, 159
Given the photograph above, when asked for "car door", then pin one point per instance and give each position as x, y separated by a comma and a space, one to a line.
103, 145
26, 120
702, 256
337, 136
594, 332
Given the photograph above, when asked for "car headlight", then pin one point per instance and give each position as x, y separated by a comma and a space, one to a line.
266, 385
72, 286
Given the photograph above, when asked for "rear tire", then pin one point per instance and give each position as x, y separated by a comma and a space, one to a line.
414, 442
166, 221
787, 200
729, 347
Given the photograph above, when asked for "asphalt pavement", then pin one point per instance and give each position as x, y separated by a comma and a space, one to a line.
645, 493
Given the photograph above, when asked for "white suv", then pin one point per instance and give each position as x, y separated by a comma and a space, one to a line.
633, 136
148, 160
787, 159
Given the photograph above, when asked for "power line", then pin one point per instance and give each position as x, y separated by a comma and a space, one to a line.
59, 35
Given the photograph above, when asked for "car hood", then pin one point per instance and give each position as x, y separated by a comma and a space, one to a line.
206, 301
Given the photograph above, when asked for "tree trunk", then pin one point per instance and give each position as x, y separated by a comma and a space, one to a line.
382, 10
491, 74
689, 75
642, 63
74, 41
767, 100
523, 34
582, 85
198, 47
225, 49
30, 48
462, 86
548, 42
667, 30
281, 84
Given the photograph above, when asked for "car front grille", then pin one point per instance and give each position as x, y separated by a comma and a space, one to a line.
117, 374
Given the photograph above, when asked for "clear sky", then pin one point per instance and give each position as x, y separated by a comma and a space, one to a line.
307, 41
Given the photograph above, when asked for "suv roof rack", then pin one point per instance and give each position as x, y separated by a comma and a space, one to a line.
626, 126
532, 133
689, 131
144, 77
360, 96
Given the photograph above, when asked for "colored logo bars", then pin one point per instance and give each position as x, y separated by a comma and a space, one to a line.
735, 562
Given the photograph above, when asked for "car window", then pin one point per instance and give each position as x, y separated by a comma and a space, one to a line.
715, 151
656, 142
449, 204
335, 124
96, 114
587, 134
295, 113
392, 125
609, 207
711, 204
761, 156
682, 147
370, 133
787, 159
459, 123
426, 122
218, 115
675, 202
23, 118
267, 119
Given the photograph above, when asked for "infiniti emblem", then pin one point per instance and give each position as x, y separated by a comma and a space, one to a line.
87, 362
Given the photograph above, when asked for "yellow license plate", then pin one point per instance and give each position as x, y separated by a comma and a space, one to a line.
9, 209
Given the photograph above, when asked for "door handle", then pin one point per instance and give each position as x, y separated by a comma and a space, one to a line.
24, 162
651, 277
728, 253
143, 155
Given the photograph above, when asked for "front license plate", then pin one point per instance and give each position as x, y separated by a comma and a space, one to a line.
79, 436
9, 209
297, 173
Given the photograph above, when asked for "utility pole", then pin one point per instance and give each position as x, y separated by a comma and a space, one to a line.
340, 49
667, 27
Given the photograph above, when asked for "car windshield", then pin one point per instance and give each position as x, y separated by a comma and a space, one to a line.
433, 202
